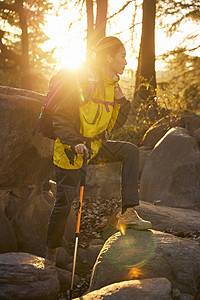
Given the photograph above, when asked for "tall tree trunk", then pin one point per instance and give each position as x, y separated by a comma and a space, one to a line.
24, 64
145, 85
96, 31
90, 26
100, 25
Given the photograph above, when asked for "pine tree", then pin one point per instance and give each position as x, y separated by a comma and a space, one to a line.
21, 38
145, 86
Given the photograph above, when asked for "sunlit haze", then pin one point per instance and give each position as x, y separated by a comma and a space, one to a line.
70, 43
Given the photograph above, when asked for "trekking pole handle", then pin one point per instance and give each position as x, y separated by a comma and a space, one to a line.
83, 171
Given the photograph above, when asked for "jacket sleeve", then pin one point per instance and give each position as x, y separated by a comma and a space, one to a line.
125, 106
66, 121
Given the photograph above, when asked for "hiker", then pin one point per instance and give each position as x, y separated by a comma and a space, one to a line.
84, 129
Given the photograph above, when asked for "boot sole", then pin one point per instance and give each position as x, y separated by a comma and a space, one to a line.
135, 226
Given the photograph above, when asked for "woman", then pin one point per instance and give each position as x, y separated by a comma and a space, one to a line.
84, 129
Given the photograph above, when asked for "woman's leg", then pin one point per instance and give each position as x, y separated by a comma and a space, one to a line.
67, 182
128, 154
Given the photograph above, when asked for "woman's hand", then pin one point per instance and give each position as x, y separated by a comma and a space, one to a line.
81, 149
118, 94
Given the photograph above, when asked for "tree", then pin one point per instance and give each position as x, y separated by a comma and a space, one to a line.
180, 90
100, 25
21, 32
97, 30
145, 85
180, 11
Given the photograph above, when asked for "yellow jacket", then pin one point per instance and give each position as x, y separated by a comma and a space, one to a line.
91, 121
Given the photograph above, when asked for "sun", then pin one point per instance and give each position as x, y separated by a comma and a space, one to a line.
70, 47
72, 54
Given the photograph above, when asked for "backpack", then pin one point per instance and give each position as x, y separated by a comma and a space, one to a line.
54, 96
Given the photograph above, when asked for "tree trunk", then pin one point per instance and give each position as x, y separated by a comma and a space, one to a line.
90, 26
100, 26
145, 85
24, 64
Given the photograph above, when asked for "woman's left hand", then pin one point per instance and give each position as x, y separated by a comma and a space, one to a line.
118, 94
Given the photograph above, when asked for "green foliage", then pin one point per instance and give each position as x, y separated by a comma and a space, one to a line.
192, 96
131, 133
181, 91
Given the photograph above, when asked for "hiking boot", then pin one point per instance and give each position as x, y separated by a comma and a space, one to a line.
131, 219
51, 254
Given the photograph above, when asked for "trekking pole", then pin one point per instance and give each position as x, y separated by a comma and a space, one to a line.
82, 186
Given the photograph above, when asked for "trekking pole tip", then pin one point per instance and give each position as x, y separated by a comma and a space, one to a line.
70, 294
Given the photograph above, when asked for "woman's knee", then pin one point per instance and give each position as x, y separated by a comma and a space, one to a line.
132, 149
65, 196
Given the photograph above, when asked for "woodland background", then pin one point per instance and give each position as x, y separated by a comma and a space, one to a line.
171, 90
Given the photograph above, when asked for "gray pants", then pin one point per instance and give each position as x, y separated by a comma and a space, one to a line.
68, 181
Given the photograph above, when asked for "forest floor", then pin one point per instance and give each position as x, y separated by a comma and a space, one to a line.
96, 214
94, 217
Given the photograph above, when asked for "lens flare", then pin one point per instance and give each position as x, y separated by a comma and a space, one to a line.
122, 228
131, 251
135, 273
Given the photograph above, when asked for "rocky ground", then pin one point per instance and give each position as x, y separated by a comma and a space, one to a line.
94, 218
96, 215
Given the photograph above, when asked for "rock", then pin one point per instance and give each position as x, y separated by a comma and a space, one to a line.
25, 166
18, 117
69, 266
157, 131
89, 254
64, 277
196, 135
164, 218
22, 92
61, 258
29, 214
145, 289
176, 294
148, 254
190, 121
8, 241
187, 297
97, 242
26, 276
198, 239
31, 222
103, 180
171, 172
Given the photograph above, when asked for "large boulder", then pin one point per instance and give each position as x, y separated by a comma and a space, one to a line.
180, 221
145, 289
65, 278
25, 169
31, 222
21, 154
190, 121
165, 218
8, 241
172, 169
103, 180
26, 276
30, 216
148, 254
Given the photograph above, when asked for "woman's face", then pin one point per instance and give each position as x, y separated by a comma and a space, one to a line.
118, 61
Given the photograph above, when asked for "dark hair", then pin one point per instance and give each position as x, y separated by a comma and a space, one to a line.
107, 45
